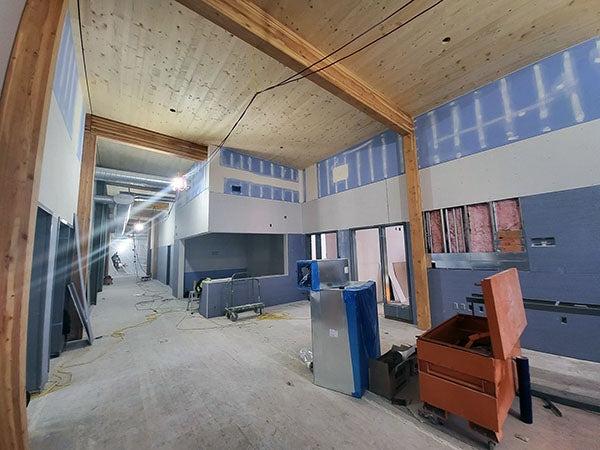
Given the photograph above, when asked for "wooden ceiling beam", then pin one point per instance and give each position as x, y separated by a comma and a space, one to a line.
151, 140
250, 23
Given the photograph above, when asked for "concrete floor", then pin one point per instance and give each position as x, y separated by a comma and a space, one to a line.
176, 381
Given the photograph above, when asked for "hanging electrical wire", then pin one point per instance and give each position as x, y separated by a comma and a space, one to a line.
301, 74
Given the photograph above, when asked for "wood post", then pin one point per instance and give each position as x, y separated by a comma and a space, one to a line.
85, 200
23, 118
417, 233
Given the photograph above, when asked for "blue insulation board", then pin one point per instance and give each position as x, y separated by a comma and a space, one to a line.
556, 92
197, 178
374, 160
237, 160
66, 78
363, 332
245, 188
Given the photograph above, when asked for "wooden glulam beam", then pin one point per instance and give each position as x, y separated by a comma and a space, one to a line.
252, 24
24, 107
151, 140
417, 233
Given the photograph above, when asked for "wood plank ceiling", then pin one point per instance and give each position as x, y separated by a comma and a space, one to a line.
148, 57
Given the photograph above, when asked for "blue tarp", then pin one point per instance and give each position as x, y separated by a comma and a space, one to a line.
363, 331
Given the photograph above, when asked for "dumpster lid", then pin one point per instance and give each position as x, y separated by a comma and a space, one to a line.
505, 311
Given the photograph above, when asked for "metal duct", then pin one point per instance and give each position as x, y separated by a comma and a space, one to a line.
154, 198
131, 179
104, 199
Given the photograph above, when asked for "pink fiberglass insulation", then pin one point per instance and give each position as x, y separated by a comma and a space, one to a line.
480, 228
508, 216
435, 226
456, 230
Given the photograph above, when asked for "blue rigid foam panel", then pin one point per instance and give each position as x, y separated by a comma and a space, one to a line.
556, 92
66, 78
237, 160
197, 178
572, 218
245, 188
374, 160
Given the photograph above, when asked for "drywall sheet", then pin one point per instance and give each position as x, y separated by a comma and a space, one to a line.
66, 77
197, 178
236, 160
245, 188
556, 161
556, 92
374, 160
235, 214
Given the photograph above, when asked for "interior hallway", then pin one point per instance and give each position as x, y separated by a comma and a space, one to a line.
181, 381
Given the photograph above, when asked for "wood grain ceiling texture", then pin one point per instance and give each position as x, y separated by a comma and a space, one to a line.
146, 57
414, 67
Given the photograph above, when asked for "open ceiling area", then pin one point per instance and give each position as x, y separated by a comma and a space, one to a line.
157, 65
116, 155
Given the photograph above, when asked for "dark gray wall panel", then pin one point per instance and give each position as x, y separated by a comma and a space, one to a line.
275, 290
571, 217
161, 270
545, 332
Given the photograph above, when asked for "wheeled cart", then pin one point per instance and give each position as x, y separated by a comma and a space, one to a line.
252, 286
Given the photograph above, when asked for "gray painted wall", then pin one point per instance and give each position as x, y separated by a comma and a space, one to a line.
275, 290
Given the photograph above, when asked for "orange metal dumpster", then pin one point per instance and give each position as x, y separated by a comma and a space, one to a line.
466, 363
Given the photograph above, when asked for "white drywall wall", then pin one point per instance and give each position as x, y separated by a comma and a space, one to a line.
235, 214
59, 181
166, 230
563, 159
559, 160
311, 183
192, 218
374, 204
218, 173
10, 16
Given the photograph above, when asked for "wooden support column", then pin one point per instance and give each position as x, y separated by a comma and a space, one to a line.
85, 200
23, 117
417, 233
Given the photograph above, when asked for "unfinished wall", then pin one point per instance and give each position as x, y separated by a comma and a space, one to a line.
59, 181
532, 135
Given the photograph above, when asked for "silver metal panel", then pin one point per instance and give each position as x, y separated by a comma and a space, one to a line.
332, 364
333, 272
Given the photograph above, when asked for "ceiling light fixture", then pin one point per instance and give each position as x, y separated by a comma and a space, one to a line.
179, 183
139, 226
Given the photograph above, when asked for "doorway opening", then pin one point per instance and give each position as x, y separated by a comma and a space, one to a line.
396, 266
323, 245
369, 258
